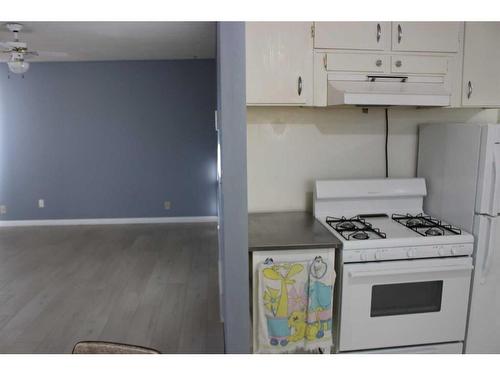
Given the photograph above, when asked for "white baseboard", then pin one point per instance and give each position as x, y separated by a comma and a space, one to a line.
111, 221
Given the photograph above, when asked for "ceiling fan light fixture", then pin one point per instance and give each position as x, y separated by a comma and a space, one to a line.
18, 66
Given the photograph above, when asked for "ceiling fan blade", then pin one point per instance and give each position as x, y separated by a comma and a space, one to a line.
49, 54
4, 45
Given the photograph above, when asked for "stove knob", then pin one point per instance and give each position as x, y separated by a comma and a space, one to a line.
454, 252
378, 255
363, 257
410, 253
441, 252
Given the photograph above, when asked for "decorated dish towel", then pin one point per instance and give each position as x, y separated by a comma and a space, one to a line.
320, 304
295, 305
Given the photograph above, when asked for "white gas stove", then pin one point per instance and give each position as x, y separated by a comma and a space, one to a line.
383, 220
404, 276
397, 236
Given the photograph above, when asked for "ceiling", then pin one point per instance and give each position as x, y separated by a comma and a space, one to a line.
100, 41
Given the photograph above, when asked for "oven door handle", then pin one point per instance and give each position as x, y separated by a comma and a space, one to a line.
409, 271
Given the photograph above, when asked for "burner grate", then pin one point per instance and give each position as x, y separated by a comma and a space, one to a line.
354, 228
425, 225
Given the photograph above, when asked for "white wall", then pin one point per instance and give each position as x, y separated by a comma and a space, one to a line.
289, 148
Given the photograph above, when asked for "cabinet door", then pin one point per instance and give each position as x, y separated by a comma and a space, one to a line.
352, 35
481, 78
426, 36
279, 63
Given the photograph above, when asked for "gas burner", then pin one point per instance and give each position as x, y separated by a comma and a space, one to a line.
434, 232
347, 225
355, 228
359, 235
414, 222
426, 225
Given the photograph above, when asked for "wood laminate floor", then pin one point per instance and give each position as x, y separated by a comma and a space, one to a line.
150, 285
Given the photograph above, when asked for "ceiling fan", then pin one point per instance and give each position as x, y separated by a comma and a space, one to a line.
18, 51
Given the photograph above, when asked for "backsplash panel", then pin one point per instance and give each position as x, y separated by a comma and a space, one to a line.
289, 148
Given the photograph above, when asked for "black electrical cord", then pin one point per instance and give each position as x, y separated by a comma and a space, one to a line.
386, 142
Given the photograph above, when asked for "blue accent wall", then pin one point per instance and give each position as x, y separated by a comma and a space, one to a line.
108, 140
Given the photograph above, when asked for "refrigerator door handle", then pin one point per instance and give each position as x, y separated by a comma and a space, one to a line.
485, 269
496, 175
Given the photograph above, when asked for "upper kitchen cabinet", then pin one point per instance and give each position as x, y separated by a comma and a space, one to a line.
426, 36
279, 59
376, 36
481, 71
388, 63
372, 36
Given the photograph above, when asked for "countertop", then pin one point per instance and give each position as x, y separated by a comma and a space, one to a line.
288, 231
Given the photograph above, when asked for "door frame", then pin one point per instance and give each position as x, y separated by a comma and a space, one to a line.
233, 207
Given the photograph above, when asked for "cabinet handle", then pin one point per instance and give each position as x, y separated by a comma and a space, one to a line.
379, 32
299, 86
398, 64
469, 89
400, 33
373, 78
378, 62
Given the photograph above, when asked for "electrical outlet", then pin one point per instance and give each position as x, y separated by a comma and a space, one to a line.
166, 205
41, 203
3, 209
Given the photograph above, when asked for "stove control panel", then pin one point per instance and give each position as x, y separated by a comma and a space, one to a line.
410, 252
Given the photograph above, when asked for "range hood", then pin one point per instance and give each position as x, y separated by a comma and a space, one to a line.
388, 91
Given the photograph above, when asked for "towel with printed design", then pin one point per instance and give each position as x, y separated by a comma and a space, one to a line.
295, 305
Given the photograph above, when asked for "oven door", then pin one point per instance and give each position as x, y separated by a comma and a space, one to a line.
401, 303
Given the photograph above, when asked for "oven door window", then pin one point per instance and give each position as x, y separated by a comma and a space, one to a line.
406, 298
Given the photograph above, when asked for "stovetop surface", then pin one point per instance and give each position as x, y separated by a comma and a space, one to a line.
384, 230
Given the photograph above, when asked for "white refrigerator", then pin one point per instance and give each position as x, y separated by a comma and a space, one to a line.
461, 165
